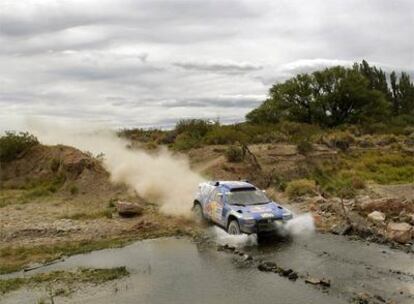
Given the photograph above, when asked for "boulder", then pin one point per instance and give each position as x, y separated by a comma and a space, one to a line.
386, 205
376, 217
399, 232
341, 229
128, 209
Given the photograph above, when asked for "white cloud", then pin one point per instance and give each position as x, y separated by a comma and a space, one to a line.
150, 62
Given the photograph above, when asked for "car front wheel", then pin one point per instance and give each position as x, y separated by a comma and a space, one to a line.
233, 227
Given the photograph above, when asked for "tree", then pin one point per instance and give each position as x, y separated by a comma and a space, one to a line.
406, 94
329, 97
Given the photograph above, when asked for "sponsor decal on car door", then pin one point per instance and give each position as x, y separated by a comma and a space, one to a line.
215, 208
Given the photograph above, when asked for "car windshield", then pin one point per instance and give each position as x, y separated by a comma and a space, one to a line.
247, 197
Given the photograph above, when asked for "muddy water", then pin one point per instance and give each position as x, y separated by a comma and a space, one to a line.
180, 271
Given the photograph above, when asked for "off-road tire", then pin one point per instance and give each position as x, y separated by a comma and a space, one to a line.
198, 214
233, 227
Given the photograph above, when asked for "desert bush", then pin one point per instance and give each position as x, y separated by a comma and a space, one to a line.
410, 140
74, 190
277, 180
304, 147
225, 135
193, 127
366, 141
185, 141
358, 183
55, 164
408, 131
301, 187
234, 154
387, 139
341, 140
12, 144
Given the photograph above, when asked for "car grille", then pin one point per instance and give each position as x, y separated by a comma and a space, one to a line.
266, 224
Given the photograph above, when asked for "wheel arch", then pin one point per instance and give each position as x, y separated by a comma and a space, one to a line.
230, 218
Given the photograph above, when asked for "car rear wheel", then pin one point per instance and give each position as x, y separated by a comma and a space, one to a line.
198, 213
233, 227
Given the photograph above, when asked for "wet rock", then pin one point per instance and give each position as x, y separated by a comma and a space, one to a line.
247, 257
267, 266
322, 282
399, 232
312, 281
362, 298
220, 248
128, 209
293, 276
286, 272
376, 217
228, 247
341, 229
379, 298
326, 283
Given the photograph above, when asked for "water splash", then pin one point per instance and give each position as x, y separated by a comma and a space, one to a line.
241, 240
301, 225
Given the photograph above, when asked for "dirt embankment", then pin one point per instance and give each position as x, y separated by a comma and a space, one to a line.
57, 200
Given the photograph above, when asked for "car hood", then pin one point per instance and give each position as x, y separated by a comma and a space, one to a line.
269, 210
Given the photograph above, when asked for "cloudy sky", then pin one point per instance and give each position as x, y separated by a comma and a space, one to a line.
150, 62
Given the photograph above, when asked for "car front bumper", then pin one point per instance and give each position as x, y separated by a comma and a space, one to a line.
263, 226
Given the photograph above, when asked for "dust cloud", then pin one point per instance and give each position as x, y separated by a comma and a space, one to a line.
162, 177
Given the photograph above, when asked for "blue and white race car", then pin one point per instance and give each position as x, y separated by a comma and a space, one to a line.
239, 207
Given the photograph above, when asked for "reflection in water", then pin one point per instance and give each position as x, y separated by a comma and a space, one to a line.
175, 271
180, 271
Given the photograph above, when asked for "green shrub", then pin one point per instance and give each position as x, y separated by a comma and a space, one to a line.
193, 127
234, 154
301, 187
74, 190
358, 183
55, 164
304, 147
341, 140
184, 141
366, 141
387, 139
12, 144
225, 135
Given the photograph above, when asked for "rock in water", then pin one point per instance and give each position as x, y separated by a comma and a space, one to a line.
128, 209
399, 232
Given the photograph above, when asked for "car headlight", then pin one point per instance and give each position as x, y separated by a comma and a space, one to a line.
249, 221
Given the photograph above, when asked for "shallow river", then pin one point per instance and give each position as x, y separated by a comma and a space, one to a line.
181, 271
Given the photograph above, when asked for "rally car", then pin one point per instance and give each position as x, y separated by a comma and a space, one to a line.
239, 207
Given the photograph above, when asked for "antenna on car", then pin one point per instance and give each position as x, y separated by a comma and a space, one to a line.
245, 180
